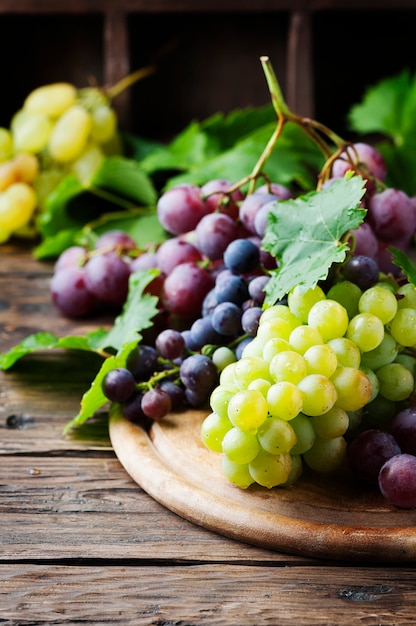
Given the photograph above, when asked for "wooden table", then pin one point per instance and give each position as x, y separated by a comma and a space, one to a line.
83, 543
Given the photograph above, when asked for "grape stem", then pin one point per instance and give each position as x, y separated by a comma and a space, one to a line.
126, 82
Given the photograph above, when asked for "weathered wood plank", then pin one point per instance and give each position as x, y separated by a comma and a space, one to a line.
209, 594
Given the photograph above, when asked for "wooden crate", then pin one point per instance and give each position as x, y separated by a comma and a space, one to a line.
206, 53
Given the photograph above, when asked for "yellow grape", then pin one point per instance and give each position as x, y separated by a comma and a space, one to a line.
17, 205
51, 100
30, 131
70, 134
6, 144
23, 167
87, 163
104, 123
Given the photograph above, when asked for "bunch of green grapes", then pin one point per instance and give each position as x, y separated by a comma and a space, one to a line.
59, 129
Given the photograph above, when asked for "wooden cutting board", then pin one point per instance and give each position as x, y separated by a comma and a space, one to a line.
319, 516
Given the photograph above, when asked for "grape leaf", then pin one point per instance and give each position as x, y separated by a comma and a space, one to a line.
405, 263
304, 234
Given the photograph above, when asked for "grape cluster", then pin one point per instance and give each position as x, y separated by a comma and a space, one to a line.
59, 129
323, 373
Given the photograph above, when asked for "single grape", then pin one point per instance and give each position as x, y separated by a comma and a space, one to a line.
231, 288
348, 294
115, 239
353, 388
74, 256
363, 241
70, 134
143, 361
367, 453
170, 344
359, 154
156, 403
250, 320
241, 256
240, 446
70, 294
270, 470
362, 271
132, 408
397, 480
214, 232
326, 455
226, 319
202, 333
180, 208
52, 99
184, 290
218, 198
175, 393
174, 251
250, 206
256, 288
198, 373
403, 429
213, 430
391, 215
118, 384
107, 277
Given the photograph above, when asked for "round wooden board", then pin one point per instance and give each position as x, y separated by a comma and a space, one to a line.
325, 517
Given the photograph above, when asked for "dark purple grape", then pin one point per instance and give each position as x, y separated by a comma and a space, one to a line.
403, 429
362, 271
226, 319
209, 303
170, 344
397, 480
196, 398
156, 403
203, 333
198, 372
242, 256
368, 452
241, 345
180, 208
256, 288
174, 251
184, 290
70, 294
132, 408
118, 384
143, 362
214, 233
231, 288
250, 320
107, 277
175, 392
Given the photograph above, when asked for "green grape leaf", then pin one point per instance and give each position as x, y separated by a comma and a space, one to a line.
407, 266
305, 234
125, 178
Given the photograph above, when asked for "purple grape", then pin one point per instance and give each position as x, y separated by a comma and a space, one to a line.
217, 198
362, 271
143, 362
132, 408
213, 234
170, 344
397, 480
368, 452
198, 372
360, 154
196, 398
250, 320
403, 429
180, 208
175, 393
203, 333
256, 288
115, 240
74, 256
231, 288
107, 277
241, 345
184, 290
70, 294
118, 384
145, 261
261, 218
391, 215
249, 207
174, 251
280, 191
241, 256
365, 241
226, 319
209, 303
156, 403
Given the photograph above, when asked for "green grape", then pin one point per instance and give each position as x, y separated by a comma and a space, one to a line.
270, 470
248, 369
408, 361
303, 337
288, 366
213, 429
326, 455
240, 446
353, 388
70, 134
305, 434
86, 165
284, 400
329, 318
253, 348
45, 182
237, 473
347, 294
295, 471
17, 204
396, 381
247, 409
355, 419
380, 302
276, 436
260, 384
403, 327
6, 144
104, 123
332, 424
221, 397
31, 131
385, 353
321, 359
318, 394
406, 296
51, 100
348, 353
300, 301
280, 311
366, 330
274, 346
374, 381
222, 357
274, 328
379, 412
227, 375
